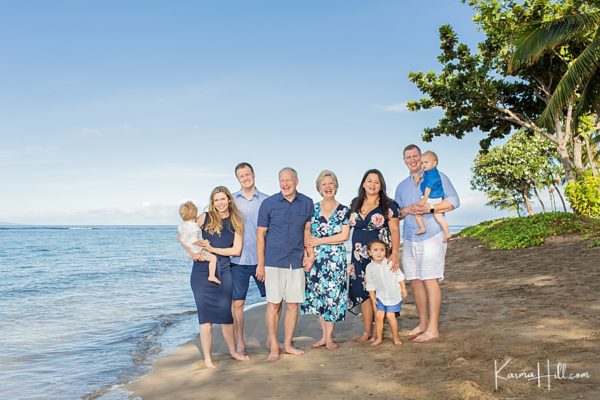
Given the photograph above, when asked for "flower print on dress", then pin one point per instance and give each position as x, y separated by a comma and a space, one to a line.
326, 293
353, 218
373, 226
360, 251
377, 221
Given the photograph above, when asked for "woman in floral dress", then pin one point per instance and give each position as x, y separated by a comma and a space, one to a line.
373, 216
326, 294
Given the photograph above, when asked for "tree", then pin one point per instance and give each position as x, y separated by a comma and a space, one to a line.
578, 81
513, 170
477, 92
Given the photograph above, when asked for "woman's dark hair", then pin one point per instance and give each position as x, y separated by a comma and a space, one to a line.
384, 200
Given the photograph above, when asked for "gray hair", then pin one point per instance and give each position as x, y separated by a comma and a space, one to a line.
289, 169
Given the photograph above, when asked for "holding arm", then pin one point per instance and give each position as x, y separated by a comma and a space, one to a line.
234, 250
394, 224
309, 251
338, 238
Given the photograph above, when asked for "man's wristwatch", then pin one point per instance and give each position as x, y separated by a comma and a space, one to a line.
432, 210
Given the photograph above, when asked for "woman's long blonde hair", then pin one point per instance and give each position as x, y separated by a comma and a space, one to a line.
214, 223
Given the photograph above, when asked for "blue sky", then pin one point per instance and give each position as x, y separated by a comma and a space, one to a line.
115, 112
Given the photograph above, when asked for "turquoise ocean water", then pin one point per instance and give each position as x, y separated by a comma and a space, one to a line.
85, 309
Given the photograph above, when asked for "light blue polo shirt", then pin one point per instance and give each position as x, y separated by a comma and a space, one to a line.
408, 193
285, 222
249, 209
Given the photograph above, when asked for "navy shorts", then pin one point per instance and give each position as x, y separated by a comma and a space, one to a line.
241, 281
381, 307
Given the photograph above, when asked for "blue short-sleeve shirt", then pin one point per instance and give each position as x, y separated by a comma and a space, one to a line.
285, 222
433, 181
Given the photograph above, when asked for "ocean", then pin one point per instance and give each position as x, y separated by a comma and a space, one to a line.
86, 309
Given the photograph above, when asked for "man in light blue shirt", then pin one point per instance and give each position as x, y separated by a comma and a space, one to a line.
248, 200
423, 256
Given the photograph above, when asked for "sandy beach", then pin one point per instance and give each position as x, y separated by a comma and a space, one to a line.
516, 308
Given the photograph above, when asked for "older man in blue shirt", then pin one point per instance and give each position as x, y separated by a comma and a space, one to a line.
283, 220
423, 256
248, 200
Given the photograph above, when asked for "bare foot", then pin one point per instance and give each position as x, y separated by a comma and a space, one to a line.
268, 345
273, 355
362, 339
318, 344
397, 342
239, 356
241, 349
209, 364
420, 232
414, 333
292, 350
426, 337
376, 342
331, 345
214, 279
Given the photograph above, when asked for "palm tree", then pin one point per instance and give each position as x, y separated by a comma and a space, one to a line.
582, 74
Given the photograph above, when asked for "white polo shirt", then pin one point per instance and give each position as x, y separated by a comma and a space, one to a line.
384, 282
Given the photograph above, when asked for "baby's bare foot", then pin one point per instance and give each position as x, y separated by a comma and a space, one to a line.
214, 279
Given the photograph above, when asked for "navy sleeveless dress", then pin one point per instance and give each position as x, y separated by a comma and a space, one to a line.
214, 301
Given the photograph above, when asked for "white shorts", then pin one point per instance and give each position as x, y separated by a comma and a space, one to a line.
437, 200
285, 284
424, 260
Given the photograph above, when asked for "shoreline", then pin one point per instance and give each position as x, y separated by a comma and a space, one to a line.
498, 305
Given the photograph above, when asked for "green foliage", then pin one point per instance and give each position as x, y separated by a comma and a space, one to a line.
512, 170
478, 93
516, 233
545, 36
584, 195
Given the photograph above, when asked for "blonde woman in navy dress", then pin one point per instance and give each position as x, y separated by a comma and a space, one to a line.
222, 230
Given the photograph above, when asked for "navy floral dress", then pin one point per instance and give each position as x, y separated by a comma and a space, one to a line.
373, 226
326, 292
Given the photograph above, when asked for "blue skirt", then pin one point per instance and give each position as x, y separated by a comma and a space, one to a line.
212, 301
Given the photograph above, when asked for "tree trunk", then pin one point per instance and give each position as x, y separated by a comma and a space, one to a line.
562, 200
590, 156
537, 194
563, 155
578, 154
551, 197
527, 203
517, 206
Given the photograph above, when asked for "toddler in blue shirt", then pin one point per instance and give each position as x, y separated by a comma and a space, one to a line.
433, 192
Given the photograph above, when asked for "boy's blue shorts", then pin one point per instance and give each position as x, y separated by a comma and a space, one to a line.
395, 308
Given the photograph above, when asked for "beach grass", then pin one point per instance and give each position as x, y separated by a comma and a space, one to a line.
521, 232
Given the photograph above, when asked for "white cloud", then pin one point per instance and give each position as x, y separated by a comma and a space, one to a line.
90, 132
395, 108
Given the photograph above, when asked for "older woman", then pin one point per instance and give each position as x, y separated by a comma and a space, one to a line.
326, 280
222, 230
373, 216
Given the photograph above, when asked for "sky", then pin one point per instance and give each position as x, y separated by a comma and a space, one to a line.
116, 112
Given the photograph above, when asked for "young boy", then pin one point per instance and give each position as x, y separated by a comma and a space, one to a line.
433, 192
190, 233
386, 289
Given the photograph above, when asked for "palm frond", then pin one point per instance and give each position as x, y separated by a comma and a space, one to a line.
582, 70
536, 39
